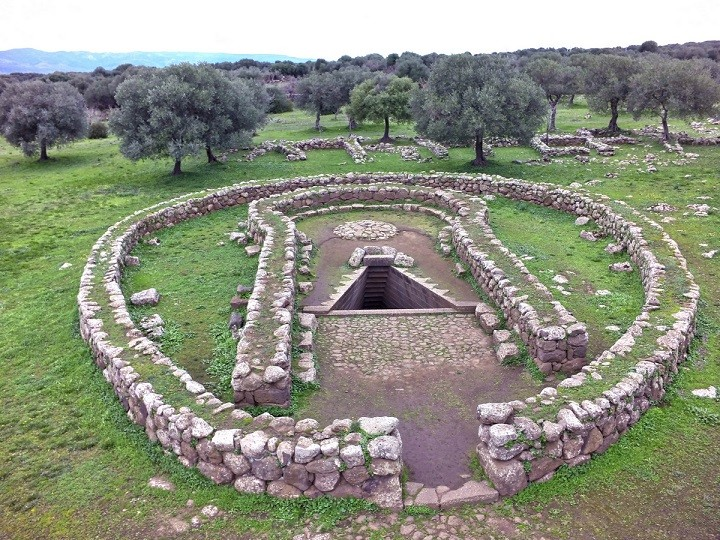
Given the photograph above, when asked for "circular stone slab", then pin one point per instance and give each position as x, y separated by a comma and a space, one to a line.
366, 229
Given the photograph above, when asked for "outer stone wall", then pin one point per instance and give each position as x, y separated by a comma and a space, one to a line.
287, 458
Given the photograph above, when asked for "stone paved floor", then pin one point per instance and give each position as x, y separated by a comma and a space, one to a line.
396, 346
430, 371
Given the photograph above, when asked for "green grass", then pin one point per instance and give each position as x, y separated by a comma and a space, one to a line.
74, 467
551, 238
196, 270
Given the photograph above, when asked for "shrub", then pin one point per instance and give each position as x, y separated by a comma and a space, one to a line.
279, 102
98, 130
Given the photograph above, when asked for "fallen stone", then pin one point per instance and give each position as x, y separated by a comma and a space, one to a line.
582, 220
710, 392
403, 260
251, 251
236, 321
236, 302
621, 267
489, 322
471, 492
131, 260
305, 286
148, 297
501, 336
587, 235
161, 483
356, 258
507, 351
378, 425
210, 511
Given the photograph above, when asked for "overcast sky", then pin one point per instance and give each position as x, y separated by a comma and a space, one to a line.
330, 28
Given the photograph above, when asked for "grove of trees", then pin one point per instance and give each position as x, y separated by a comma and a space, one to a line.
178, 110
663, 86
458, 99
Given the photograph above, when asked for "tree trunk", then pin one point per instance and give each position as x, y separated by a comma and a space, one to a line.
352, 124
317, 121
211, 157
176, 169
386, 136
666, 130
43, 150
613, 125
571, 101
479, 156
553, 112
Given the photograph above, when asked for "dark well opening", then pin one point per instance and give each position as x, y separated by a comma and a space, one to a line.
384, 287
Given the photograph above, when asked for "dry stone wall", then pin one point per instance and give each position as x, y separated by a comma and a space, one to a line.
520, 442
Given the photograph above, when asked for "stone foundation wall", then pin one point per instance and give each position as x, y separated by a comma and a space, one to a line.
558, 346
287, 458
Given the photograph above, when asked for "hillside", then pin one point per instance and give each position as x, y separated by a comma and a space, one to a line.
35, 61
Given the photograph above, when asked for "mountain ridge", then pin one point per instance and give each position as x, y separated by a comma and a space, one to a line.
28, 60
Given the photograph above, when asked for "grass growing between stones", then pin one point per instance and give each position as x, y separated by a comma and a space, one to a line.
74, 467
196, 270
550, 246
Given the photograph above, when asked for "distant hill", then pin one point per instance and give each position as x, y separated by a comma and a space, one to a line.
35, 61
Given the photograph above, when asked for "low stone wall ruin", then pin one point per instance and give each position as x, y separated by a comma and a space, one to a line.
521, 441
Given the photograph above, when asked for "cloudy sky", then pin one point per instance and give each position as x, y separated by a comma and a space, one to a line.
331, 28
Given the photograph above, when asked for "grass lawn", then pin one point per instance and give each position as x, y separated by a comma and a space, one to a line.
73, 465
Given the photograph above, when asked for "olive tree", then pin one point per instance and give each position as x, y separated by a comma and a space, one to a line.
177, 110
664, 85
556, 78
37, 114
470, 97
607, 84
381, 98
326, 92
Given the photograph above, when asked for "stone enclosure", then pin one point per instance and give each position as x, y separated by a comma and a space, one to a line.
519, 442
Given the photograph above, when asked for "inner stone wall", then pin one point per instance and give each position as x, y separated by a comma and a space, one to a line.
287, 458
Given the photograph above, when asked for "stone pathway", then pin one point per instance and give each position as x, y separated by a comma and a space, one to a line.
396, 346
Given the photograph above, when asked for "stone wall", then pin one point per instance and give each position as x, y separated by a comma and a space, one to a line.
521, 441
553, 336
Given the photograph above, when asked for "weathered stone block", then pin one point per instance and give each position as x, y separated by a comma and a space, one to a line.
508, 477
148, 297
471, 492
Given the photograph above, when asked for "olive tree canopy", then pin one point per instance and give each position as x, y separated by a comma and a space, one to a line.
664, 85
470, 97
177, 110
37, 114
381, 98
607, 84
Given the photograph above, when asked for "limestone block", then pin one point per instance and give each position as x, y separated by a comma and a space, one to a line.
148, 297
494, 413
471, 492
508, 477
